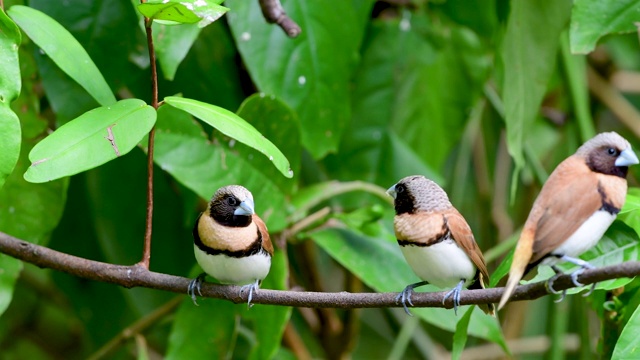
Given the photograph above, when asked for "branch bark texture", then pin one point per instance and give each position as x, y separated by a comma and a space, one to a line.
273, 12
138, 276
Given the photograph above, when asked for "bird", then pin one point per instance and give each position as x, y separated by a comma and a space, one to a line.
231, 243
576, 205
436, 241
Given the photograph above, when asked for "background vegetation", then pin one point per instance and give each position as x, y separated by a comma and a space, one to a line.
483, 96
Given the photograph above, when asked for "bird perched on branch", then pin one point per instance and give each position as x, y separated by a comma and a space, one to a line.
436, 241
231, 243
575, 207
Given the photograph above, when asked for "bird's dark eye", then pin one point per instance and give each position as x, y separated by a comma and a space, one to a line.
612, 152
232, 201
400, 189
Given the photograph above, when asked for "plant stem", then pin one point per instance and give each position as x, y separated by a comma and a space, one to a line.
146, 250
137, 327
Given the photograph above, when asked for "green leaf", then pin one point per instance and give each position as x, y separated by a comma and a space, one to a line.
21, 207
64, 50
363, 256
235, 127
619, 244
628, 345
460, 336
172, 43
9, 90
203, 12
276, 121
528, 52
183, 150
593, 19
207, 331
91, 140
311, 72
632, 202
11, 269
269, 322
576, 72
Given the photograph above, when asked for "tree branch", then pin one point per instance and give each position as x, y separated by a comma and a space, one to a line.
273, 12
138, 276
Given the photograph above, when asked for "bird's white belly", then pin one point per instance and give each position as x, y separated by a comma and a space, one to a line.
231, 270
443, 264
586, 237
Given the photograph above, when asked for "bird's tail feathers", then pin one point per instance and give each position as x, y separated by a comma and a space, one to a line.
521, 258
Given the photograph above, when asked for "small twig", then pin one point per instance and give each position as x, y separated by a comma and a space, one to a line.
146, 250
138, 276
611, 98
294, 342
136, 328
290, 233
339, 188
273, 12
2, 4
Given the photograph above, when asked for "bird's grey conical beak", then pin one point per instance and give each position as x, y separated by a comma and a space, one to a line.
392, 191
626, 158
245, 208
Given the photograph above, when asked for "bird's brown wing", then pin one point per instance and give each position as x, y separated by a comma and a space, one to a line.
566, 201
421, 228
266, 239
463, 236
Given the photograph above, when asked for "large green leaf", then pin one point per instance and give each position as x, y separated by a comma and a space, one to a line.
110, 34
528, 53
203, 12
64, 50
207, 331
276, 121
593, 19
311, 72
380, 265
23, 204
9, 89
235, 127
89, 141
628, 345
172, 43
183, 150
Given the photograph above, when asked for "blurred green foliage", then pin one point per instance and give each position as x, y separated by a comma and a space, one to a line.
482, 96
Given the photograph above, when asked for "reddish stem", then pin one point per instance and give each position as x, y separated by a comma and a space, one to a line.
146, 251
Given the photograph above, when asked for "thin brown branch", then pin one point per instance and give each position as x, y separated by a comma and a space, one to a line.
138, 276
614, 100
293, 341
2, 4
273, 12
146, 250
136, 328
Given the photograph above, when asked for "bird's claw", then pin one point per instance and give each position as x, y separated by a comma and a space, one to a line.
455, 292
554, 291
405, 298
195, 285
251, 287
